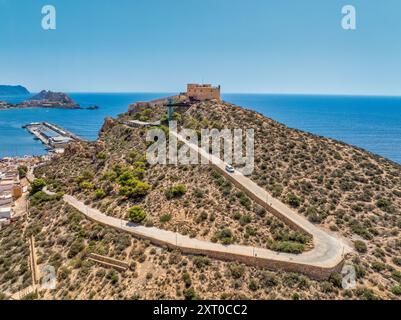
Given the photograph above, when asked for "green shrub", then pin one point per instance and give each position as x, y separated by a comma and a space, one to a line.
3, 297
86, 185
378, 266
109, 176
140, 189
326, 287
360, 246
244, 200
101, 156
294, 236
366, 294
396, 290
113, 276
165, 218
76, 247
187, 279
253, 285
277, 190
100, 194
201, 262
245, 219
385, 205
296, 296
286, 246
136, 214
249, 231
225, 236
190, 294
37, 185
88, 175
346, 184
293, 200
396, 275
237, 216
30, 296
198, 193
42, 197
176, 191
237, 271
336, 279
22, 171
131, 187
397, 261
360, 271
315, 216
359, 229
63, 273
201, 217
269, 279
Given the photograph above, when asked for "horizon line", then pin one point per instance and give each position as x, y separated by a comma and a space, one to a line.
239, 93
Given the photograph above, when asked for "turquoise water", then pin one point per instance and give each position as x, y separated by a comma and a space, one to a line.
15, 141
372, 123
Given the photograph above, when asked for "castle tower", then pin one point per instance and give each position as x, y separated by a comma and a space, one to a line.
203, 92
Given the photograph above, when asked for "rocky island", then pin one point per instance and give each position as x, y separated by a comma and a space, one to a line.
47, 99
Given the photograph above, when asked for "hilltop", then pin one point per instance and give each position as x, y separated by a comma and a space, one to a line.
6, 90
53, 96
342, 189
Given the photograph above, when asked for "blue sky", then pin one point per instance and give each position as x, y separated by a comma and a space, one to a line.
264, 46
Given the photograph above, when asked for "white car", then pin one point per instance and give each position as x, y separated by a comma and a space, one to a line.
230, 169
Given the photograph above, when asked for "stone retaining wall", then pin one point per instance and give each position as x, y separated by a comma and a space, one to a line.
315, 272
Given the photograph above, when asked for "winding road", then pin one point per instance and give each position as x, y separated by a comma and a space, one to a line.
326, 257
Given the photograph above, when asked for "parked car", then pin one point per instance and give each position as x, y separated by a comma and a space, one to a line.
230, 169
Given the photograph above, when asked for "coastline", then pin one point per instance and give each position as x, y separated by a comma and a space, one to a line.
372, 127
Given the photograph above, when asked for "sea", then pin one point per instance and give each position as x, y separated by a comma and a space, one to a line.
369, 122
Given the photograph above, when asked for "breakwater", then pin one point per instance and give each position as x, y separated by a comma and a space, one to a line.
54, 137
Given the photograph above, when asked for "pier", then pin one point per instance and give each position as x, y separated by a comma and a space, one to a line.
51, 135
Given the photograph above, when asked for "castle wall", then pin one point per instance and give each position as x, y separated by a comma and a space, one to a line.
203, 92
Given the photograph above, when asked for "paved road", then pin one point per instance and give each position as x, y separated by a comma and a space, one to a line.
328, 249
327, 254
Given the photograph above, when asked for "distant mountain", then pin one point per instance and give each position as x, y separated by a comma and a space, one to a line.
13, 90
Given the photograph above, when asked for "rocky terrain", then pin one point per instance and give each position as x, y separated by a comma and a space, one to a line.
343, 189
15, 274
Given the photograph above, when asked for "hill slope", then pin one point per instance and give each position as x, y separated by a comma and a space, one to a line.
342, 188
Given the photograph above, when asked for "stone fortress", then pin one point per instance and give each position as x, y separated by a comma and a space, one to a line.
203, 92
194, 93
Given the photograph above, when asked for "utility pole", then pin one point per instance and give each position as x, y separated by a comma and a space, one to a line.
170, 110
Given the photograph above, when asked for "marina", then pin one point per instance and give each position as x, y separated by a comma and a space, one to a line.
54, 137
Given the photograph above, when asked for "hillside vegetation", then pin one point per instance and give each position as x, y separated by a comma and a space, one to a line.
342, 188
